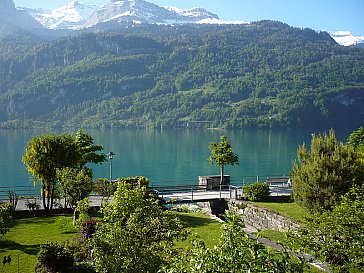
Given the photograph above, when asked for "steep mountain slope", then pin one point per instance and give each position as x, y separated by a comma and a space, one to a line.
12, 20
266, 74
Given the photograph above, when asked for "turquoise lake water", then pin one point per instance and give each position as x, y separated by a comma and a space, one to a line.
171, 156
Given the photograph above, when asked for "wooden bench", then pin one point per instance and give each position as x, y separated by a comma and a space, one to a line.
284, 181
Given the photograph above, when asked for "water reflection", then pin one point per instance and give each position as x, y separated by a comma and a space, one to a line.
171, 155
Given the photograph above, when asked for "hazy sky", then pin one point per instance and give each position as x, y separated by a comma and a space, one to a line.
316, 14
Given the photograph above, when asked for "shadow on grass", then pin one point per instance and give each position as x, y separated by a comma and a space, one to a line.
195, 221
7, 245
34, 220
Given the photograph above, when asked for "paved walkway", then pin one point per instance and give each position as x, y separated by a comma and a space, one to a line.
251, 231
23, 203
206, 195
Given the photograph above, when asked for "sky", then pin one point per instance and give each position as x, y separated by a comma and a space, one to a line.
327, 15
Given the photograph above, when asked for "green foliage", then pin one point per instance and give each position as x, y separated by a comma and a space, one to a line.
356, 139
53, 258
326, 172
256, 191
136, 235
53, 158
234, 253
44, 155
6, 215
104, 186
135, 182
81, 212
337, 236
88, 150
222, 154
265, 74
76, 184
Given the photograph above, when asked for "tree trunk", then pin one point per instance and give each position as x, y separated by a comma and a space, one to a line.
52, 196
221, 175
48, 196
44, 197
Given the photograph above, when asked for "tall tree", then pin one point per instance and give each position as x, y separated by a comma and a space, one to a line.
222, 154
325, 172
88, 150
356, 139
44, 155
337, 236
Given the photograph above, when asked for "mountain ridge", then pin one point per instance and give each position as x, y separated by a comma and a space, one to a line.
78, 16
266, 74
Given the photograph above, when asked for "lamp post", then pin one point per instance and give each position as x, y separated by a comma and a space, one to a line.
111, 155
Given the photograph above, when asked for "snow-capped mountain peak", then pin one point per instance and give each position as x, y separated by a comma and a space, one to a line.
346, 38
76, 15
145, 12
71, 16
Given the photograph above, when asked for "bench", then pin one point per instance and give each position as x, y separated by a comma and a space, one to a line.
284, 181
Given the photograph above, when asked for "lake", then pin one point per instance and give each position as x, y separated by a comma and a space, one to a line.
171, 156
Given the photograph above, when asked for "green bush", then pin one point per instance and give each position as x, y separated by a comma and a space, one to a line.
6, 215
104, 187
256, 192
54, 257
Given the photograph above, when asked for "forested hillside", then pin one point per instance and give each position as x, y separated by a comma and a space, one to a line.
265, 74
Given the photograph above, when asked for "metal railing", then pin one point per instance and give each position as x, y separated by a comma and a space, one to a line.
191, 193
20, 191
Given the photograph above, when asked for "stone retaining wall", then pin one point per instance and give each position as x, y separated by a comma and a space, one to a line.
254, 216
262, 218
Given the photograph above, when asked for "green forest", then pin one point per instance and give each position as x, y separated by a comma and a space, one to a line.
265, 74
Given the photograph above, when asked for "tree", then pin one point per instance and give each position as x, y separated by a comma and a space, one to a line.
135, 235
324, 173
44, 155
88, 150
222, 154
337, 236
356, 139
235, 252
76, 184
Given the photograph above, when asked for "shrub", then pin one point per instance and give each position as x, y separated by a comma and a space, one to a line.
6, 214
337, 236
54, 257
81, 212
325, 172
256, 191
88, 228
135, 182
104, 187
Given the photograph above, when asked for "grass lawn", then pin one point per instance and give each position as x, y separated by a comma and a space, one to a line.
291, 210
209, 230
25, 237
